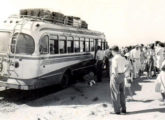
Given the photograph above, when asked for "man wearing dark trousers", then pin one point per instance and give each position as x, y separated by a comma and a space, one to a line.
117, 88
99, 63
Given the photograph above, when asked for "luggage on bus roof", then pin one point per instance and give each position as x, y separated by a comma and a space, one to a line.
54, 17
44, 13
84, 24
58, 17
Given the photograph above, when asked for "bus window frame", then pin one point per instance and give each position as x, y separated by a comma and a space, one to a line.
72, 44
65, 44
88, 44
106, 44
99, 41
15, 45
54, 39
40, 44
74, 39
82, 39
102, 44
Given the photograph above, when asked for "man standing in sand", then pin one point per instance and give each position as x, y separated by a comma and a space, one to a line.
135, 55
99, 63
117, 88
159, 51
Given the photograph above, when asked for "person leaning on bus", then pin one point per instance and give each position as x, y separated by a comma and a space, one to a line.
99, 63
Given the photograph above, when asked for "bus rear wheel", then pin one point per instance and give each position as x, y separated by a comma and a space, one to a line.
65, 82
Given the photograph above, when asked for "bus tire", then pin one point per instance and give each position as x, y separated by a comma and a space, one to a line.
65, 82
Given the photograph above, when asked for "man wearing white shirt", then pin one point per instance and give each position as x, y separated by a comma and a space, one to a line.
135, 55
159, 51
99, 63
117, 88
127, 53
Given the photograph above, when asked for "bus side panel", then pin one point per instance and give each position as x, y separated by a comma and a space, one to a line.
56, 71
50, 71
83, 68
53, 69
30, 68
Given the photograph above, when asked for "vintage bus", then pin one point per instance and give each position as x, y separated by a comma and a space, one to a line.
35, 53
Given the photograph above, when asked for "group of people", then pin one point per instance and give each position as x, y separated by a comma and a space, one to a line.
128, 63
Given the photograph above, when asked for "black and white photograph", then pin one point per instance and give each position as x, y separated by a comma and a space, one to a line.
82, 60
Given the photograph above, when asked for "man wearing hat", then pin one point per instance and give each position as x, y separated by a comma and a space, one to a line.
117, 88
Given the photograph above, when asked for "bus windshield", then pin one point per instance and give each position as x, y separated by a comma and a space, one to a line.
24, 44
4, 41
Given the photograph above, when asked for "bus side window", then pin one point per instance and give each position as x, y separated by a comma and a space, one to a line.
56, 46
70, 44
102, 45
53, 46
105, 45
91, 45
99, 42
82, 45
76, 44
62, 44
44, 47
87, 45
22, 44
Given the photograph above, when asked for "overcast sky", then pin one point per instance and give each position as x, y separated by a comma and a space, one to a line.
124, 22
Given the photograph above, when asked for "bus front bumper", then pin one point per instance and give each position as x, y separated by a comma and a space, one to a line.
14, 84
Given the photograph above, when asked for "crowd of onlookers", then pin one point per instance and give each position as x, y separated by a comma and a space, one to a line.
129, 63
145, 58
149, 59
142, 58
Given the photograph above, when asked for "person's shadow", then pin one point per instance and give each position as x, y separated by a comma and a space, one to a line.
144, 101
135, 86
147, 111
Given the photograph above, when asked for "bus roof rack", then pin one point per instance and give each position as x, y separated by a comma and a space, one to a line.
53, 17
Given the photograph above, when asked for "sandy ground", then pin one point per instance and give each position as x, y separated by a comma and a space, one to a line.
81, 102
